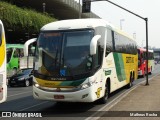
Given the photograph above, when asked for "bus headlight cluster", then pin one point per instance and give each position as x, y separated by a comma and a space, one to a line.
86, 85
35, 84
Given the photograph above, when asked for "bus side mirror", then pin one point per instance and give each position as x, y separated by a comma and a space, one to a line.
26, 45
93, 44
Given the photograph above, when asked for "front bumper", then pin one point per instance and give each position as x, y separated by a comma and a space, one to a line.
84, 95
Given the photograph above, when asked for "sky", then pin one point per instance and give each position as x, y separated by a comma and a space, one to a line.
131, 24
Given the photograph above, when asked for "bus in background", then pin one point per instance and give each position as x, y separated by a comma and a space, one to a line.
82, 60
3, 82
14, 52
142, 62
16, 59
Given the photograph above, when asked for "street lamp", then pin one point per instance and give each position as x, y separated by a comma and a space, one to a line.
44, 7
121, 20
146, 21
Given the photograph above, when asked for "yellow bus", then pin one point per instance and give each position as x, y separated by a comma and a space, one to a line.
3, 85
82, 60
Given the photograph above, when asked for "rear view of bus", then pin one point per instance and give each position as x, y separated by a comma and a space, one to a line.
142, 62
3, 86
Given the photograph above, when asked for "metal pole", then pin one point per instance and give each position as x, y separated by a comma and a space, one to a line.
79, 9
146, 19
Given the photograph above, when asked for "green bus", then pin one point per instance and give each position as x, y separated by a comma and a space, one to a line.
14, 52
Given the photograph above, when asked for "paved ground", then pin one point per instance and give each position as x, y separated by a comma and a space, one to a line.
143, 101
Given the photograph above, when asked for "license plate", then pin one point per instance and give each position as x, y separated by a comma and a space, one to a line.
58, 96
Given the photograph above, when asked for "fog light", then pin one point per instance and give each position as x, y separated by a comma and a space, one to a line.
84, 96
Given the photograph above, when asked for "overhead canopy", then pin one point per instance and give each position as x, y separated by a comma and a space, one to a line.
61, 9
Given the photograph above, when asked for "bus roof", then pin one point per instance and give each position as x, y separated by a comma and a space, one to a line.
14, 45
144, 50
81, 24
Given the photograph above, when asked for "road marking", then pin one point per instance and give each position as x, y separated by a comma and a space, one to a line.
18, 94
115, 101
34, 106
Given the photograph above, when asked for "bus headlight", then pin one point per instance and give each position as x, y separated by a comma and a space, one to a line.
35, 83
86, 85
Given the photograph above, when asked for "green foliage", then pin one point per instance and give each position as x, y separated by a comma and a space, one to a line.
22, 19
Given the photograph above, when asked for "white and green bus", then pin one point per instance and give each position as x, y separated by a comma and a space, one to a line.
82, 60
3, 82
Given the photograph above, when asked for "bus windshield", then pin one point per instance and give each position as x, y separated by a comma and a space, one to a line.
65, 53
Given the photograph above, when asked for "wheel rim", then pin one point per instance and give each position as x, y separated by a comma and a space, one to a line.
27, 83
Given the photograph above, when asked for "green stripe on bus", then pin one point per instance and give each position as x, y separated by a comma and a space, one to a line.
119, 64
72, 83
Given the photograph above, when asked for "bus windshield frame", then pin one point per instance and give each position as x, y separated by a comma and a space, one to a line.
64, 53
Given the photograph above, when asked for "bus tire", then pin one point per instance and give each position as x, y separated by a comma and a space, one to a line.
150, 71
104, 99
130, 84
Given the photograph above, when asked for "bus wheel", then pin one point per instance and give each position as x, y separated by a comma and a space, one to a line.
150, 71
130, 84
104, 99
27, 83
